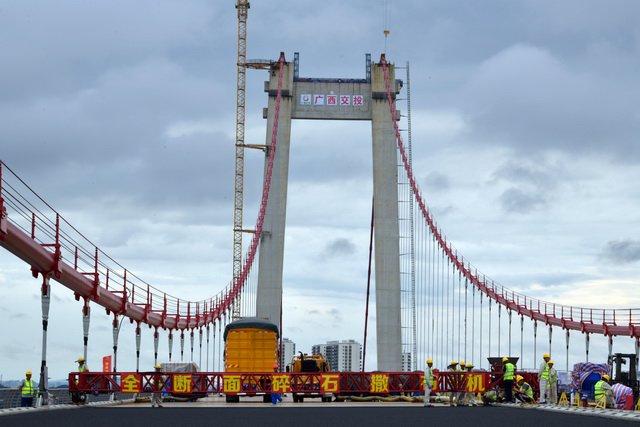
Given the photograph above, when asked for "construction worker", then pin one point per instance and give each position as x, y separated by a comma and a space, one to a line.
524, 393
552, 385
27, 390
156, 398
543, 377
603, 391
453, 396
460, 398
468, 397
508, 374
82, 365
428, 382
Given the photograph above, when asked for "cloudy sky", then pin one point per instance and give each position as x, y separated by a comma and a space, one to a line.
526, 124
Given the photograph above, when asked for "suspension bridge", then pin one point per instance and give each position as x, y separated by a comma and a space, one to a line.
430, 301
441, 307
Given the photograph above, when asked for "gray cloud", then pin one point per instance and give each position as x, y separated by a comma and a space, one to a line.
623, 251
339, 247
436, 181
518, 201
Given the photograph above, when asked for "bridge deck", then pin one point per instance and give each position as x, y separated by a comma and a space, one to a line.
216, 412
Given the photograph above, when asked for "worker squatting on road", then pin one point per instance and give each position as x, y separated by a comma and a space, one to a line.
156, 398
453, 396
469, 398
509, 371
604, 392
27, 390
543, 378
524, 392
428, 382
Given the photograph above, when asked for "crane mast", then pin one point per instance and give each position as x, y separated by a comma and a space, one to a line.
242, 7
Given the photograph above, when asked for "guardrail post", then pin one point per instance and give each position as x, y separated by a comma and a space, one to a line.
86, 319
170, 344
567, 343
535, 342
46, 300
586, 346
191, 341
200, 344
156, 341
182, 345
138, 336
116, 332
550, 333
208, 332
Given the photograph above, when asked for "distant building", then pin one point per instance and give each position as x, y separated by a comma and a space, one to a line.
319, 349
343, 356
287, 352
407, 365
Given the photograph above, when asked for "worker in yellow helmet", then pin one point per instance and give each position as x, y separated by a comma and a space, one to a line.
428, 382
27, 390
524, 392
603, 391
469, 397
82, 364
156, 398
460, 396
508, 375
543, 377
552, 384
453, 396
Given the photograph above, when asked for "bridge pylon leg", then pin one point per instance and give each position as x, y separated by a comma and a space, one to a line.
46, 300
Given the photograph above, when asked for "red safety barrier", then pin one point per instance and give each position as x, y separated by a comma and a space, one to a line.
194, 384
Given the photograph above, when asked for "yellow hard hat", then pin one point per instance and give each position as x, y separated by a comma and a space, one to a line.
80, 359
519, 378
158, 366
28, 372
453, 363
429, 361
550, 362
462, 363
469, 365
505, 359
606, 377
546, 356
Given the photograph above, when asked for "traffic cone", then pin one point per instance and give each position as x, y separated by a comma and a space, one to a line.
563, 399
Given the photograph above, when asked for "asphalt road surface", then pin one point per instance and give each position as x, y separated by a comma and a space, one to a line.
333, 416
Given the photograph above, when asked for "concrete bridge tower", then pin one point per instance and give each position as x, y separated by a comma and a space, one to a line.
338, 99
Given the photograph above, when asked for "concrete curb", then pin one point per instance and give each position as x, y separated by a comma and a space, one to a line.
19, 410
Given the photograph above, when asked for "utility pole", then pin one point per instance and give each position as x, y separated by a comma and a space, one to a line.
242, 7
